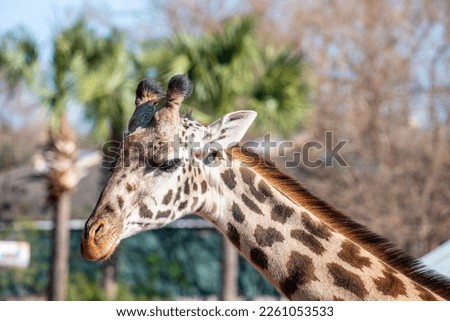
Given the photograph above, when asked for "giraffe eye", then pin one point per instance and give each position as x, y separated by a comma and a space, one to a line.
170, 165
211, 157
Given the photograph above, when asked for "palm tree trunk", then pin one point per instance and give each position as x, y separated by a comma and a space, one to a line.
110, 271
60, 244
61, 155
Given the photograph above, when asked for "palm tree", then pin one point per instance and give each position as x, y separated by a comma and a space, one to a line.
19, 67
96, 71
231, 70
105, 79
61, 155
18, 59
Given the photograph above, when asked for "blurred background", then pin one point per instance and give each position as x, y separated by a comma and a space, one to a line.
374, 73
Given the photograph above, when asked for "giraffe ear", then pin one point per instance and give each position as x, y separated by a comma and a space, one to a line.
229, 130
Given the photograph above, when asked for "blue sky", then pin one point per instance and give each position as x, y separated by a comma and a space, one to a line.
43, 17
38, 16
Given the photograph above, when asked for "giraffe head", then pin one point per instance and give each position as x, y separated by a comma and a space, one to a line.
168, 166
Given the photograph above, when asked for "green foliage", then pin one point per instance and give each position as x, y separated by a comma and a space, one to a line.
231, 70
158, 268
19, 65
103, 76
82, 287
279, 93
161, 264
91, 69
18, 58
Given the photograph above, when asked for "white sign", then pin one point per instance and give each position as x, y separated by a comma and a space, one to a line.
14, 254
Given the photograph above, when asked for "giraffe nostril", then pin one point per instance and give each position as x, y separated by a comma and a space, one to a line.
97, 230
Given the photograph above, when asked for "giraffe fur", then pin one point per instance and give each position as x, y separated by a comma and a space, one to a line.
304, 247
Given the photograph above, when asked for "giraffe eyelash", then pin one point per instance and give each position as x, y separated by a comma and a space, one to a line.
170, 165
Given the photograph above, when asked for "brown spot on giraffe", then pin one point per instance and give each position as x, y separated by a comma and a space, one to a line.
390, 285
317, 229
194, 201
350, 253
144, 211
265, 189
194, 186
182, 205
167, 197
233, 235
388, 269
203, 186
120, 202
424, 294
300, 271
266, 237
186, 187
250, 204
162, 214
130, 187
228, 178
177, 197
237, 213
108, 209
248, 177
281, 213
347, 280
260, 258
308, 240
260, 197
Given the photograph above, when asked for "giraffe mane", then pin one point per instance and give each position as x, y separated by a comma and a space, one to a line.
354, 231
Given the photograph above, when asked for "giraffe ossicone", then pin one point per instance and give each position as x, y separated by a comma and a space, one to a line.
170, 166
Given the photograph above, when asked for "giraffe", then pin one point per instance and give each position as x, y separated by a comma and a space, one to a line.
170, 166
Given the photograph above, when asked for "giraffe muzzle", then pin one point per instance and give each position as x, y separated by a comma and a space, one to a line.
99, 240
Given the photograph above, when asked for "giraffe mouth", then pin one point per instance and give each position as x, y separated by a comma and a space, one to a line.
93, 249
94, 254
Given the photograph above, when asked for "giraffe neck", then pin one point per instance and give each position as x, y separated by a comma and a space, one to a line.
303, 257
